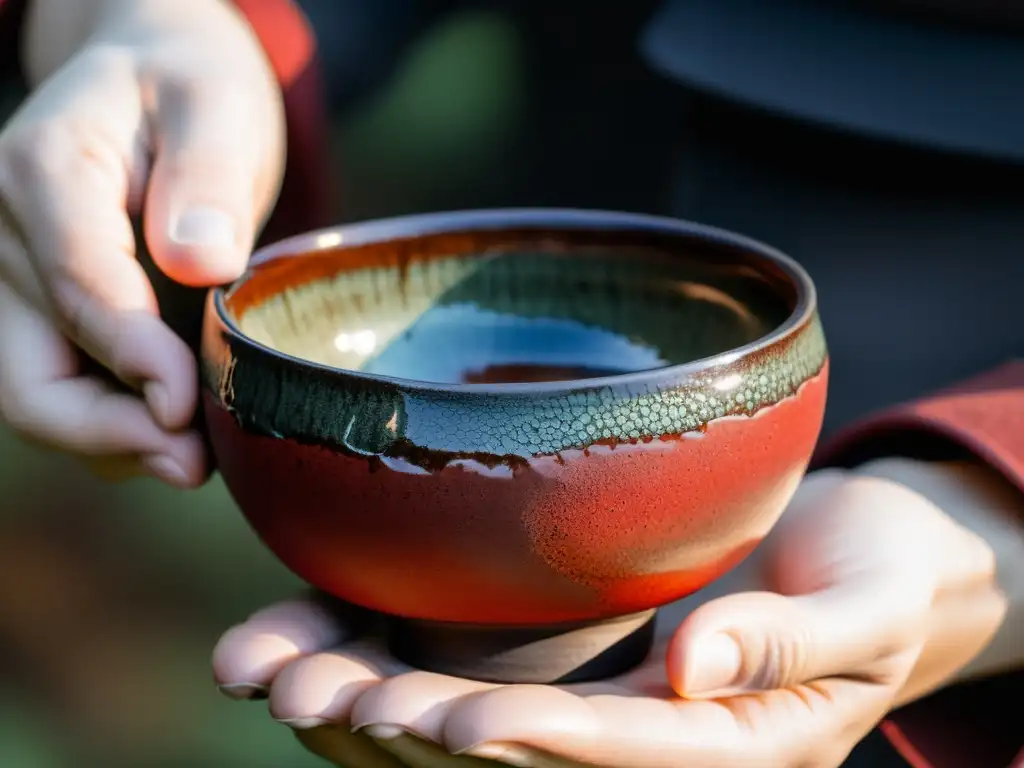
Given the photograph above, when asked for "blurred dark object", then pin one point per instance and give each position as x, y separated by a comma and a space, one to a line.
915, 254
1007, 15
859, 66
12, 18
361, 43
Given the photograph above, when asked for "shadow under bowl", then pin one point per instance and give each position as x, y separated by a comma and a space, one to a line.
516, 432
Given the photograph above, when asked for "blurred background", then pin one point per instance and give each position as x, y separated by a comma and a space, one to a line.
112, 597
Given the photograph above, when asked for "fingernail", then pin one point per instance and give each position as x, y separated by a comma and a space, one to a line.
166, 468
204, 226
713, 665
501, 753
302, 723
156, 398
382, 731
243, 691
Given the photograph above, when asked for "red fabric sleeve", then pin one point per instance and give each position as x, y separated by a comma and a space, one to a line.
977, 725
290, 45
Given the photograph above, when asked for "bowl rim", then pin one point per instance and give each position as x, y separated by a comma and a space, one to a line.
407, 227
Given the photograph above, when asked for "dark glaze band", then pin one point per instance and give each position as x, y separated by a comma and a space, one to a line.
431, 424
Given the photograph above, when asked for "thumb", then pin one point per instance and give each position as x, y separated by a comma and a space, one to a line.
762, 641
215, 175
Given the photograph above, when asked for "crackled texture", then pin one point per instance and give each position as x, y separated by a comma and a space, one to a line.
625, 309
273, 398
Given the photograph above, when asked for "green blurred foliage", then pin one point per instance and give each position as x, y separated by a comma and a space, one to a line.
440, 127
111, 597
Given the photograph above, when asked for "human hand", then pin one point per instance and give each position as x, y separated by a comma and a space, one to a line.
864, 596
169, 111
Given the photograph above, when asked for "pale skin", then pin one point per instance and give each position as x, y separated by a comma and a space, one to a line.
878, 586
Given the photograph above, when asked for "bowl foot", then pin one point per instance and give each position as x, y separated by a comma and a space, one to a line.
564, 653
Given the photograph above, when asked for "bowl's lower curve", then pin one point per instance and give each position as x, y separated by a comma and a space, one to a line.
545, 571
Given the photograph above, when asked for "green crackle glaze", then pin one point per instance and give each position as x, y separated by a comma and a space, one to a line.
677, 310
532, 425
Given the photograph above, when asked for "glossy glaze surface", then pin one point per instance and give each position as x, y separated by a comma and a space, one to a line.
352, 404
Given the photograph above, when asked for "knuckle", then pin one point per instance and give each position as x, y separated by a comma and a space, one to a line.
64, 148
30, 149
178, 81
217, 167
781, 660
185, 90
184, 81
777, 653
209, 112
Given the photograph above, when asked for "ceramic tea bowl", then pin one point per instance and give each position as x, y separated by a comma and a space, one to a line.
515, 432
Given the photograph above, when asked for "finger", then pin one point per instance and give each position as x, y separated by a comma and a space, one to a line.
211, 182
318, 696
250, 655
536, 725
44, 400
65, 183
407, 716
764, 641
865, 613
322, 688
416, 703
521, 724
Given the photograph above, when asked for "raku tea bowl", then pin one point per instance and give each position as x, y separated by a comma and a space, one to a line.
514, 433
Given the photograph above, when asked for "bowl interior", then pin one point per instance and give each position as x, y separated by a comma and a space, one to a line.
521, 306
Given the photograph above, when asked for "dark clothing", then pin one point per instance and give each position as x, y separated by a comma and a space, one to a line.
915, 255
893, 69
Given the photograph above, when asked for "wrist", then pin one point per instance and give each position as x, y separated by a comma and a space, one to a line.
978, 621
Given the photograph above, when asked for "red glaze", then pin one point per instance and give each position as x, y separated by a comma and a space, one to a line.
590, 534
